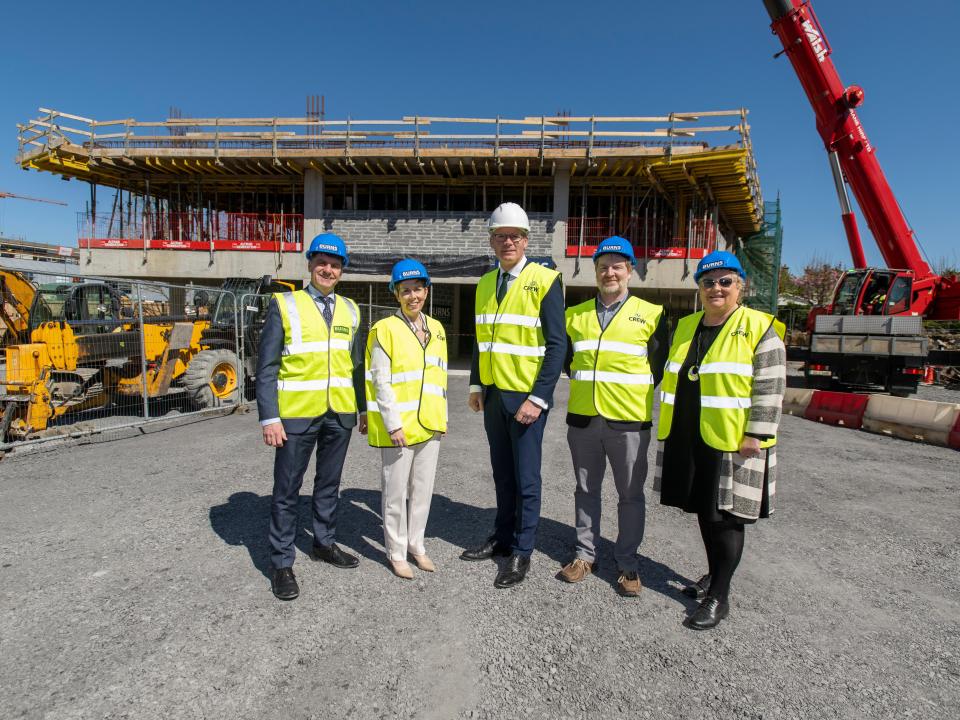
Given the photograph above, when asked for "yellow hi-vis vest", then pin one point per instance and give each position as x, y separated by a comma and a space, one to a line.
418, 379
610, 374
509, 335
726, 377
316, 370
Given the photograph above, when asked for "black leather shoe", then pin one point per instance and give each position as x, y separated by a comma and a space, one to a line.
513, 572
284, 584
708, 615
483, 552
334, 555
699, 589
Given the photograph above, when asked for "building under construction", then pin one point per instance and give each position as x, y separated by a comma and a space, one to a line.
200, 200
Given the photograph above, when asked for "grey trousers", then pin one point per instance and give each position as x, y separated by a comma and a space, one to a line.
591, 447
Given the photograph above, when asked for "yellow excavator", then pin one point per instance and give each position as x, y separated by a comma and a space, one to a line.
75, 346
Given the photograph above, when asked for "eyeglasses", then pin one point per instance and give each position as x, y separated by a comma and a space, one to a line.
504, 237
724, 282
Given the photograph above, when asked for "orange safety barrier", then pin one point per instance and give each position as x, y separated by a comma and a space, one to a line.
836, 408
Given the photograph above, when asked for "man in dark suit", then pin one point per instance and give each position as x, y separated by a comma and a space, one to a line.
521, 341
309, 388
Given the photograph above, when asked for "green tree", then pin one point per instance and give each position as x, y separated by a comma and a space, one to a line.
788, 283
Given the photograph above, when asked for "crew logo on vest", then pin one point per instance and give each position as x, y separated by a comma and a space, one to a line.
637, 319
532, 287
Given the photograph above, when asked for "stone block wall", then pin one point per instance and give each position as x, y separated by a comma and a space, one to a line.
422, 235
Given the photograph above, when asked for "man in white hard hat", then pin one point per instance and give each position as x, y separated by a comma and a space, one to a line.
521, 341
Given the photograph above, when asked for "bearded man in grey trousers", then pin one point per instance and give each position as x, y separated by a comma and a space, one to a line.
617, 347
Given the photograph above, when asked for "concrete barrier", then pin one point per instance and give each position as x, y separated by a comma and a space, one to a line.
837, 408
911, 419
954, 439
795, 401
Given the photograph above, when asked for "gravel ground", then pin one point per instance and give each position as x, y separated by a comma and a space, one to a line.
134, 586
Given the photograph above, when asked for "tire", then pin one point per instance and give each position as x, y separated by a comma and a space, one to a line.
212, 379
6, 418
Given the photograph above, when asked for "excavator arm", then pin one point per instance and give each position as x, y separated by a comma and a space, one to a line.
16, 297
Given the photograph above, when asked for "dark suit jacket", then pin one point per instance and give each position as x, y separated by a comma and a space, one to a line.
268, 369
553, 323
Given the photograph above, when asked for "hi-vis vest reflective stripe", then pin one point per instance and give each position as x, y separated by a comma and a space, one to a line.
316, 370
509, 335
726, 377
610, 373
418, 379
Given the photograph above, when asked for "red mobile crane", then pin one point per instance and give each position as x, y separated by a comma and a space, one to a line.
907, 286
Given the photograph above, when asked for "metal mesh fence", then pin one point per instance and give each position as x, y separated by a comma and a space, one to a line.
90, 355
94, 356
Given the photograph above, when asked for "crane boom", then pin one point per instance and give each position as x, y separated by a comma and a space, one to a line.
27, 197
805, 44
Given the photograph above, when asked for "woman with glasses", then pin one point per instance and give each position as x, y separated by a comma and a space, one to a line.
407, 414
720, 403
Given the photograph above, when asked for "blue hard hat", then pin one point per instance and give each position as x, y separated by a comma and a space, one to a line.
408, 270
330, 244
719, 260
616, 244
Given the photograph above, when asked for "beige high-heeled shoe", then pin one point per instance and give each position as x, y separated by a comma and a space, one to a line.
423, 562
401, 569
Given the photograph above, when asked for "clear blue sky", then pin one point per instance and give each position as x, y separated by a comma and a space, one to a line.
109, 60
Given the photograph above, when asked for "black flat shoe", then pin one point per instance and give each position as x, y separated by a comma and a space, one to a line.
284, 584
486, 551
513, 572
334, 555
708, 615
699, 589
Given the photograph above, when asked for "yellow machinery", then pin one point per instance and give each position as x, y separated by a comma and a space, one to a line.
16, 296
76, 346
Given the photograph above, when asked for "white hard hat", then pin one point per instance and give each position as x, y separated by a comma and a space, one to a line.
509, 215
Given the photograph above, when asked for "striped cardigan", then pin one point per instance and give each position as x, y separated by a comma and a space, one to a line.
741, 479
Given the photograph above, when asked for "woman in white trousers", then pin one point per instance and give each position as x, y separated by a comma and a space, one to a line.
406, 382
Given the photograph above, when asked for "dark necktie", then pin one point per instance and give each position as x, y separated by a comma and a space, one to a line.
502, 287
327, 310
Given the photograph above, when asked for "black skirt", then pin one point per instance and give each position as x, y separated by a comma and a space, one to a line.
690, 473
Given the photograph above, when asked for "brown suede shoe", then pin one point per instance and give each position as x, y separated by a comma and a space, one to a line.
629, 583
576, 571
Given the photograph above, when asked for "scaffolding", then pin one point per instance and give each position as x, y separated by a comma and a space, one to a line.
760, 256
415, 163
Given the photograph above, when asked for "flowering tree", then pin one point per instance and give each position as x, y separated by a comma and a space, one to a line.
817, 282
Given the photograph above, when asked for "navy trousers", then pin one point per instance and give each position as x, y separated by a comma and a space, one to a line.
515, 452
331, 439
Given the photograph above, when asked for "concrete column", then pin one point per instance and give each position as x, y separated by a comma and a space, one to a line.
313, 190
561, 211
